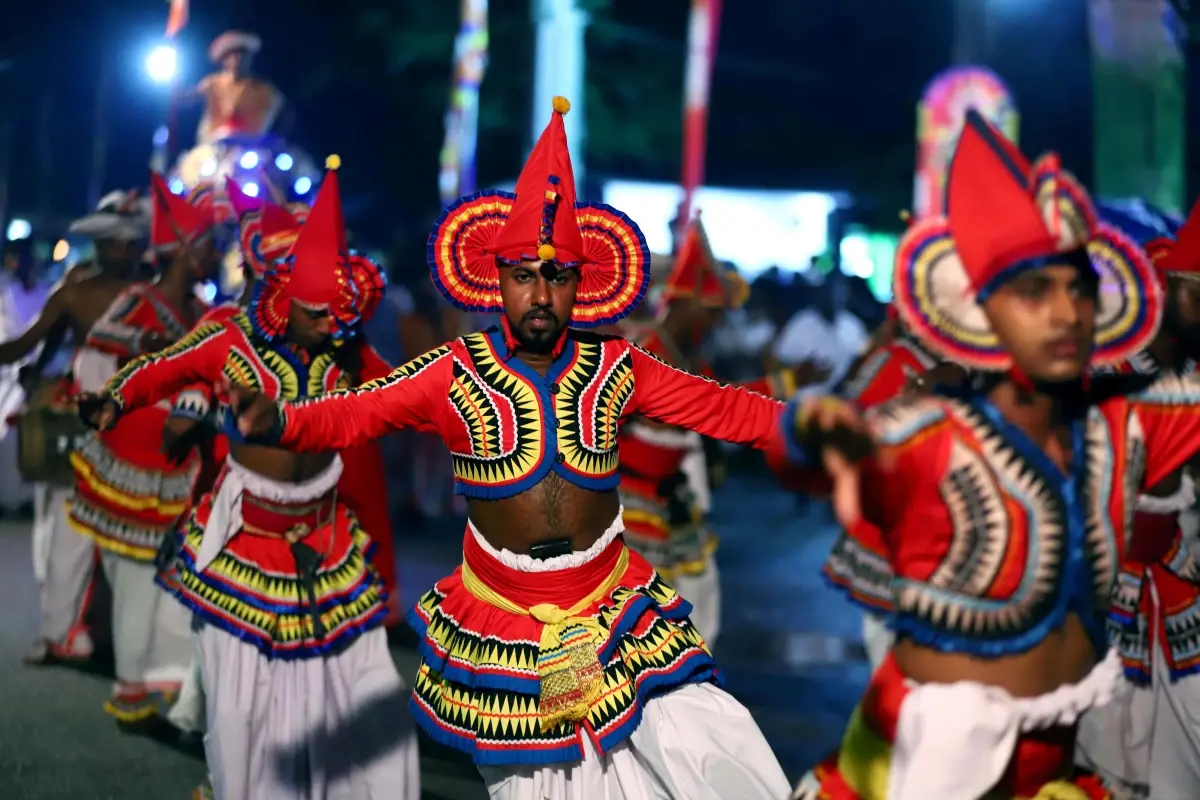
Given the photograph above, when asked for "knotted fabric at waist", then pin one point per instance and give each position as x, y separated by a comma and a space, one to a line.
963, 739
277, 520
244, 500
562, 598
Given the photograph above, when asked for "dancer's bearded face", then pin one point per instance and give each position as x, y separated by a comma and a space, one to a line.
538, 300
1046, 320
1182, 320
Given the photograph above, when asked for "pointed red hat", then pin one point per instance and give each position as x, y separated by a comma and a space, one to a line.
319, 271
1179, 257
1005, 215
541, 225
541, 221
318, 255
696, 275
178, 220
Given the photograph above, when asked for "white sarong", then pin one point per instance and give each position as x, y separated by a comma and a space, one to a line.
318, 728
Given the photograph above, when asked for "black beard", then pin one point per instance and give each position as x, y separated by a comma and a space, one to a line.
540, 344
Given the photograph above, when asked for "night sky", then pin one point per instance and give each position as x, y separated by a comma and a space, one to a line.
805, 95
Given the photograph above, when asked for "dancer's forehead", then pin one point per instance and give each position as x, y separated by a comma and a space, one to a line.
549, 270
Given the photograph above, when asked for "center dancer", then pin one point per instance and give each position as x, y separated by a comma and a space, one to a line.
554, 656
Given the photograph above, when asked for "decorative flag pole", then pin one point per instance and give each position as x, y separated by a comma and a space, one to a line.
702, 51
177, 19
457, 174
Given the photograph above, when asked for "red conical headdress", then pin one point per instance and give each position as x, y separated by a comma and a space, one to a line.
318, 271
318, 255
1003, 216
695, 273
542, 221
175, 220
1179, 257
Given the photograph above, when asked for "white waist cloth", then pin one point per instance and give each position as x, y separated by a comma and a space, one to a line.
225, 519
954, 740
523, 563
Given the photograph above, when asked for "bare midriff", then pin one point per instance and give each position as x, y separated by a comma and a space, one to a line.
1064, 657
280, 465
553, 509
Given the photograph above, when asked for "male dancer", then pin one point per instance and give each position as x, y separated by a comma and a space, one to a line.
554, 656
1001, 509
268, 231
237, 103
128, 493
898, 366
65, 562
663, 468
1145, 743
296, 671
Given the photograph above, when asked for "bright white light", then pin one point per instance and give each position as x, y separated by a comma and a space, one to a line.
176, 186
19, 229
162, 63
754, 229
249, 160
302, 185
208, 168
62, 249
283, 161
208, 292
250, 189
856, 256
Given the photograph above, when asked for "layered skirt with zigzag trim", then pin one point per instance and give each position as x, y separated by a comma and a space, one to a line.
254, 588
128, 495
487, 672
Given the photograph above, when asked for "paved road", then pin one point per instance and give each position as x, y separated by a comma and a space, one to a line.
788, 649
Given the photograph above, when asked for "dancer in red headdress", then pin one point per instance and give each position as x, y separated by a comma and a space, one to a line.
267, 231
665, 488
998, 509
127, 492
554, 656
293, 657
1146, 743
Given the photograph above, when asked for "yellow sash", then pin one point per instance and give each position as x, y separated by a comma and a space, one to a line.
569, 669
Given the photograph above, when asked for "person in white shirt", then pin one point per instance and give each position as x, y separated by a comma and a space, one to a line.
824, 332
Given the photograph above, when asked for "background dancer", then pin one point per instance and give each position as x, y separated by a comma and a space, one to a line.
664, 469
302, 698
1145, 743
64, 562
128, 493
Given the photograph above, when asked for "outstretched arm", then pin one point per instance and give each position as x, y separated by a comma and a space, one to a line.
53, 313
407, 398
195, 359
729, 413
